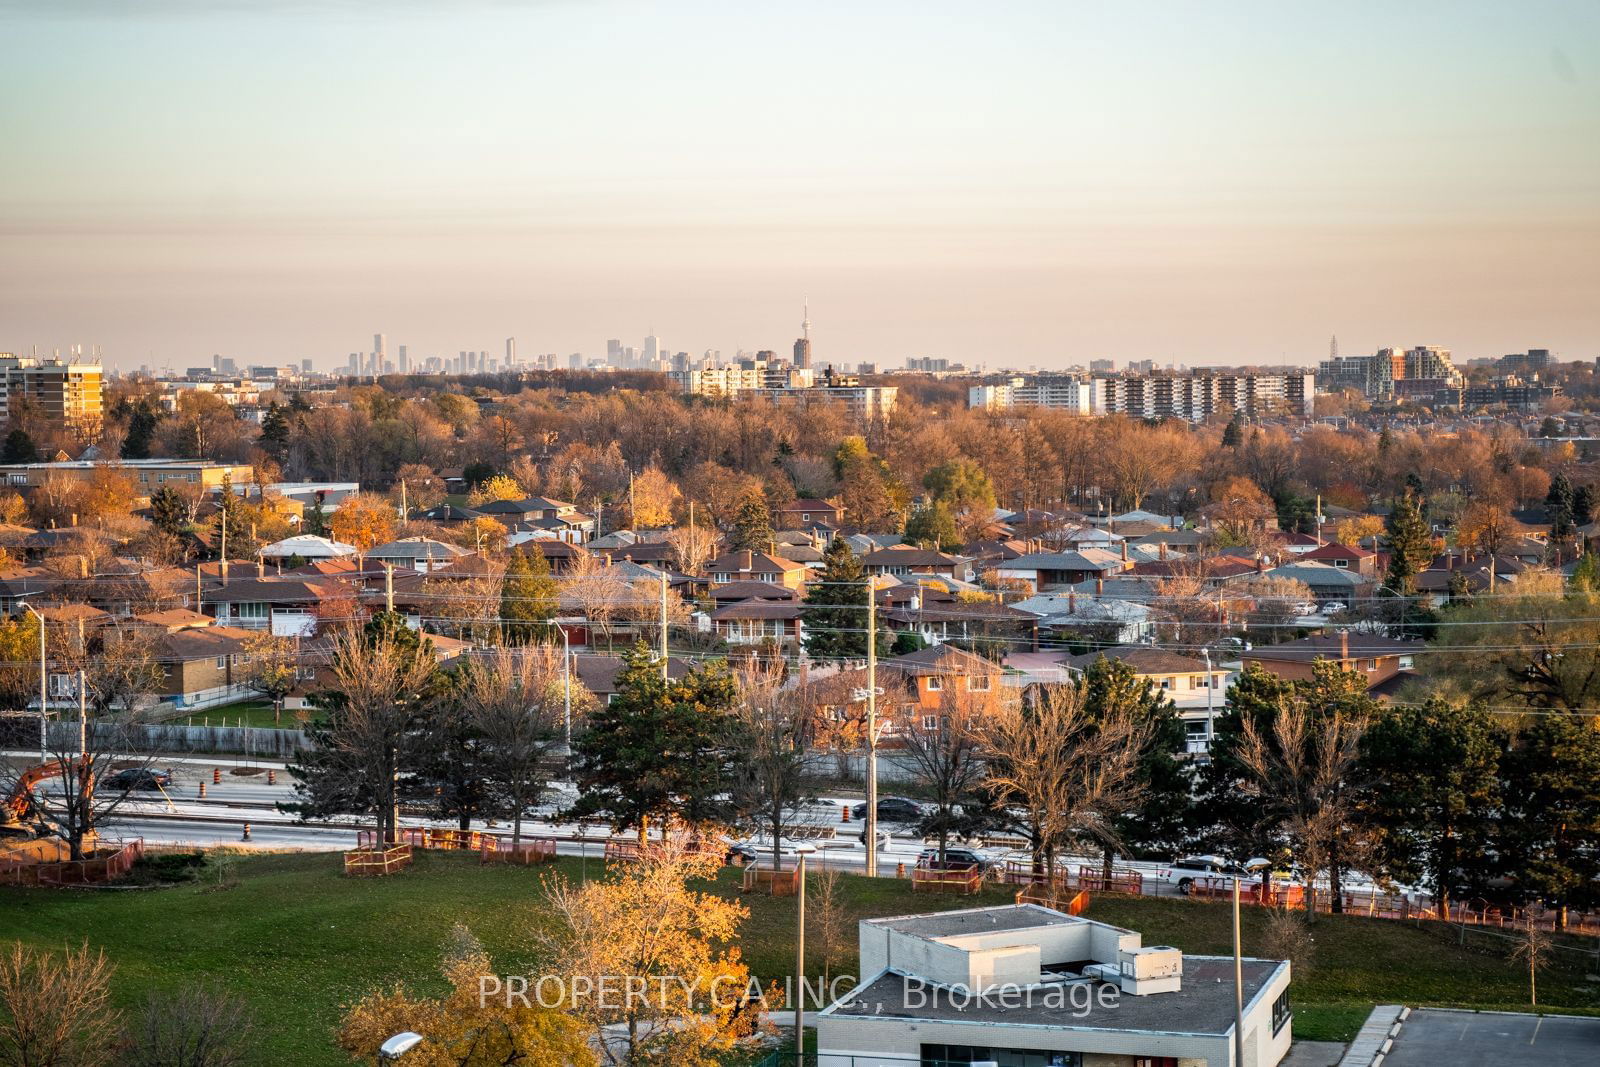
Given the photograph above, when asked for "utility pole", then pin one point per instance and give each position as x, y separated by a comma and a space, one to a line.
83, 721
388, 588
1211, 706
44, 735
664, 675
872, 729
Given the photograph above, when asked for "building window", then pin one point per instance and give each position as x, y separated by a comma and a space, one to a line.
930, 722
1372, 664
1155, 1061
222, 661
1280, 1011
935, 685
979, 684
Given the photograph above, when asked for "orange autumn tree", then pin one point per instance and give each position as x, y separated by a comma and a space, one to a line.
463, 1028
363, 521
644, 925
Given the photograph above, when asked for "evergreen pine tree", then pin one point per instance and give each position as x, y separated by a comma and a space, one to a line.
752, 525
1410, 544
1158, 823
1558, 504
19, 448
528, 598
1583, 505
834, 615
168, 511
274, 439
143, 419
660, 750
1233, 436
230, 517
1430, 788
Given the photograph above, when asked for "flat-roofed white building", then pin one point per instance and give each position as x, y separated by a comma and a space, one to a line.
1028, 986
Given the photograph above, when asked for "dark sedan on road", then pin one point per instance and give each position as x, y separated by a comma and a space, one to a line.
139, 778
891, 809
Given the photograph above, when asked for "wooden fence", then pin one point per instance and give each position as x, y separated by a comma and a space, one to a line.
779, 883
500, 849
1070, 901
964, 880
90, 871
376, 862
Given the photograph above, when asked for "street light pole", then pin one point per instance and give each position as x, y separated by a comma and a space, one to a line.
800, 957
1238, 983
872, 729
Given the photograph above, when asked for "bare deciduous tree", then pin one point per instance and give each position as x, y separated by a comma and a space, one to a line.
57, 1008
1066, 775
380, 684
514, 700
1298, 768
943, 747
196, 1027
773, 781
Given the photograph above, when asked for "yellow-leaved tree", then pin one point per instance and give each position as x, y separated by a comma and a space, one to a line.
644, 928
363, 520
464, 1028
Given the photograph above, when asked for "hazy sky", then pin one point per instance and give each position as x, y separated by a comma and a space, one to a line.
1000, 183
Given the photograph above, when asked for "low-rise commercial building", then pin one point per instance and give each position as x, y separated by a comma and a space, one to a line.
1028, 986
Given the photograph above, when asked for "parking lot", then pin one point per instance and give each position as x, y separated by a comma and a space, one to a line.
1432, 1037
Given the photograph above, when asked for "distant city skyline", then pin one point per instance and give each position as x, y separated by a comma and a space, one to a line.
1040, 184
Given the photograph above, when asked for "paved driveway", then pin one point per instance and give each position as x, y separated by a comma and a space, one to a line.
1433, 1038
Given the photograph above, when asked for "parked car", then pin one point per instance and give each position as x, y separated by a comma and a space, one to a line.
139, 778
957, 858
891, 809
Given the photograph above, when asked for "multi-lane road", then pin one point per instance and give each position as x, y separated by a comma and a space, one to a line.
178, 815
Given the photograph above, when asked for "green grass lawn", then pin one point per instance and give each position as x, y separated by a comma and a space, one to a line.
246, 713
297, 939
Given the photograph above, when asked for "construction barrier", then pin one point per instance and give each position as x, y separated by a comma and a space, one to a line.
528, 851
964, 880
1073, 902
105, 868
376, 862
779, 883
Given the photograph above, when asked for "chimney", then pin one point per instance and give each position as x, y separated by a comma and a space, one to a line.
1163, 550
1072, 603
261, 567
83, 566
1099, 587
1450, 560
1124, 551
1261, 564
1344, 644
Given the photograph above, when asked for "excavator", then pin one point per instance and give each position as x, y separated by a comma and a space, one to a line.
20, 805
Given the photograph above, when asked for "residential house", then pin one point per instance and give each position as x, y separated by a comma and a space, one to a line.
748, 566
1328, 584
305, 547
1377, 658
902, 560
419, 554
1047, 570
807, 512
1196, 687
936, 615
288, 606
1352, 558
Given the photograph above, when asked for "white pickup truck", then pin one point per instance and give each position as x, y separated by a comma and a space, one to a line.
1184, 872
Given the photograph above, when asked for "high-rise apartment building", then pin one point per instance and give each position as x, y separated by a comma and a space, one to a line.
1193, 397
405, 361
511, 352
60, 391
1375, 375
